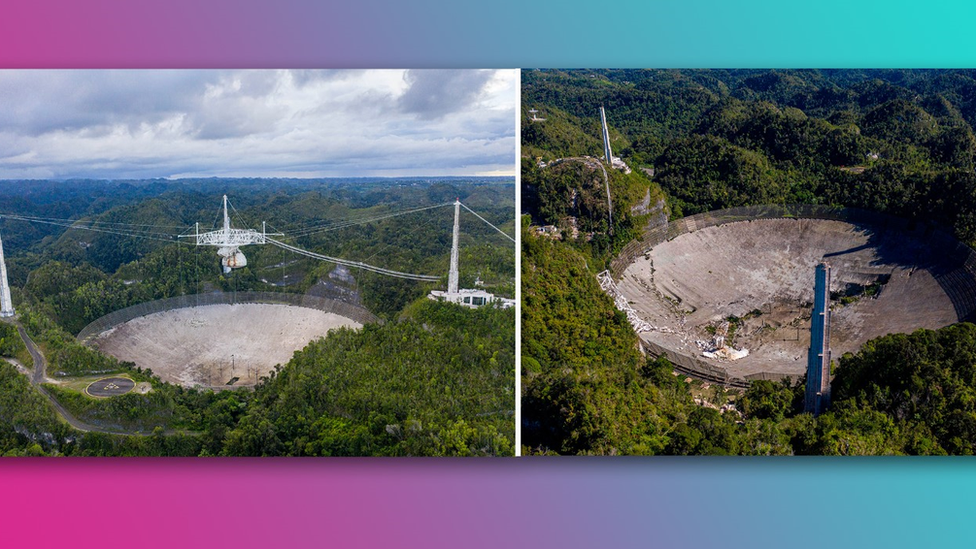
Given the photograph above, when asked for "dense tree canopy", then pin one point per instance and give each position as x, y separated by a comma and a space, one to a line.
893, 141
900, 142
433, 379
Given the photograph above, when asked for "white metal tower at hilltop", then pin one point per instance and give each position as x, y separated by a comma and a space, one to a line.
607, 153
6, 306
468, 298
452, 273
614, 162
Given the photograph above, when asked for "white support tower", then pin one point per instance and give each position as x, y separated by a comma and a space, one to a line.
6, 306
612, 161
606, 138
452, 274
465, 297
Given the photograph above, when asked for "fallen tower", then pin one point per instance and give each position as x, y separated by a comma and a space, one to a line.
817, 397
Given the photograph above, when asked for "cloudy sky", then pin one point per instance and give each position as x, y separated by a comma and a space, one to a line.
256, 123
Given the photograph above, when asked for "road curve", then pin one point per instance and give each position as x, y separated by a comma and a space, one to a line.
37, 380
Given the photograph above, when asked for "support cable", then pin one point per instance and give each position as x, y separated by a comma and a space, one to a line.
355, 264
349, 223
488, 222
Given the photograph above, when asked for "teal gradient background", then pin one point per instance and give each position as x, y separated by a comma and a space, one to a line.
538, 502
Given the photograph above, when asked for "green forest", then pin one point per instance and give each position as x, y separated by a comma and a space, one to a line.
894, 141
428, 379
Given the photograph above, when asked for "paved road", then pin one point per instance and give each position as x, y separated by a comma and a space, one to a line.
37, 379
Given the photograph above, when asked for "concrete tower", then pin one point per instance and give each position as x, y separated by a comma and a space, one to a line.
465, 297
817, 397
606, 138
6, 306
452, 275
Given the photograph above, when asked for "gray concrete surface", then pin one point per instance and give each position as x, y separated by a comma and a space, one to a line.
110, 386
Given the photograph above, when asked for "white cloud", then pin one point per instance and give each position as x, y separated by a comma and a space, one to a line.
165, 123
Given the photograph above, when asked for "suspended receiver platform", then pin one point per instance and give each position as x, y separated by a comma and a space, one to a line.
228, 241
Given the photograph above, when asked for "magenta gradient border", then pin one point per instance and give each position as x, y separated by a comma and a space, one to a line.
516, 502
363, 502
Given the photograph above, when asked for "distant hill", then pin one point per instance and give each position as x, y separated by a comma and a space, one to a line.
897, 141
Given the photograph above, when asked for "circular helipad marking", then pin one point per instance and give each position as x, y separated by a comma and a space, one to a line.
110, 386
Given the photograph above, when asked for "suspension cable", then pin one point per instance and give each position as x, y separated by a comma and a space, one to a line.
134, 234
488, 222
355, 264
351, 222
